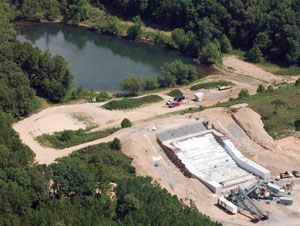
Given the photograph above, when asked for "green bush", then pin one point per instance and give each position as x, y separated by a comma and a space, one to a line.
209, 85
244, 93
102, 96
297, 83
126, 123
261, 89
115, 144
175, 93
129, 103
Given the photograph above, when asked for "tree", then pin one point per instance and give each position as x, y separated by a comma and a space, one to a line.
112, 26
261, 89
177, 72
209, 54
53, 12
131, 84
75, 11
116, 144
126, 123
134, 32
244, 93
150, 83
179, 37
225, 44
254, 55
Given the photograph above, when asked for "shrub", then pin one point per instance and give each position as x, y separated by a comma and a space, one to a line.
261, 89
126, 123
297, 124
175, 93
102, 96
135, 32
115, 144
297, 83
244, 93
270, 88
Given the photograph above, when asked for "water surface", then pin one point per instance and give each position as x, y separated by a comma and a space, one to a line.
98, 61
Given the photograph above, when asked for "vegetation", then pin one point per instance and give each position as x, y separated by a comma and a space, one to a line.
175, 93
75, 190
70, 138
270, 26
209, 85
129, 103
178, 73
126, 123
150, 83
134, 32
132, 84
279, 108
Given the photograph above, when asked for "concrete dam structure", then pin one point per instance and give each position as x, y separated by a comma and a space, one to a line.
209, 156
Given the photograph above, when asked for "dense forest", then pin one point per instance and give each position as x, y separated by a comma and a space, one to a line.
268, 28
75, 190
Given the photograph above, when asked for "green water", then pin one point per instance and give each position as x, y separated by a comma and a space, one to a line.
98, 61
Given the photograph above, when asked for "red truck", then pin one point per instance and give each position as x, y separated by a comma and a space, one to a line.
174, 104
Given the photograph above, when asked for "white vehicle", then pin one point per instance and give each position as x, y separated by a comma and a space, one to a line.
170, 102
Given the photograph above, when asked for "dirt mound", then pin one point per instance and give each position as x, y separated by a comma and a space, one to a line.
252, 124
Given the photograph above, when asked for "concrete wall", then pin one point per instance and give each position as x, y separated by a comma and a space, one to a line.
245, 163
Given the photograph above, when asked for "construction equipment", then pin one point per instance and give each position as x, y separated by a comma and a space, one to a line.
289, 185
240, 199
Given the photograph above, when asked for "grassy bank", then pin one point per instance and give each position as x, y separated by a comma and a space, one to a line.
129, 103
69, 138
210, 85
279, 109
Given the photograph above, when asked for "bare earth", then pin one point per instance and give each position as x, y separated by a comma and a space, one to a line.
245, 128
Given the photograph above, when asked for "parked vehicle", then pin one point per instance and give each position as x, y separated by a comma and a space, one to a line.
296, 173
285, 175
170, 102
179, 98
175, 104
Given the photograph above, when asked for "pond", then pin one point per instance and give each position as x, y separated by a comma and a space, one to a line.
98, 61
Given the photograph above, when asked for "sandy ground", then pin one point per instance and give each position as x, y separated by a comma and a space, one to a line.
245, 129
245, 68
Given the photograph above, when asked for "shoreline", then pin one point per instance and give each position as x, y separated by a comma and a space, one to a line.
88, 27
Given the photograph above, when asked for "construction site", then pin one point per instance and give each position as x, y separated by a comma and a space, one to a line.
222, 160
